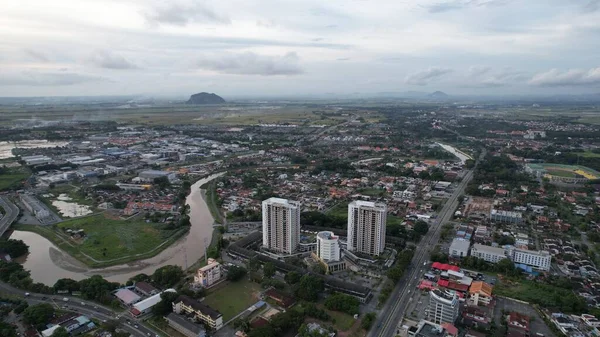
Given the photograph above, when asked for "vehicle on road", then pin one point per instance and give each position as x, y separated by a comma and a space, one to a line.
65, 299
82, 303
135, 326
27, 294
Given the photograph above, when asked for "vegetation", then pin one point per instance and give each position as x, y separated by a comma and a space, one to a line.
292, 277
556, 295
38, 315
167, 276
308, 288
165, 305
233, 298
342, 302
14, 248
12, 178
60, 332
367, 321
402, 262
279, 324
236, 273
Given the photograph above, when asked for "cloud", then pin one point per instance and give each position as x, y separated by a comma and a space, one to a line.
486, 76
343, 59
426, 76
447, 6
107, 60
37, 55
28, 78
250, 63
181, 14
591, 6
475, 71
571, 77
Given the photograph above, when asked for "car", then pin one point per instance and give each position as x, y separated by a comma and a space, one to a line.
104, 321
27, 294
149, 334
95, 307
135, 326
44, 297
82, 303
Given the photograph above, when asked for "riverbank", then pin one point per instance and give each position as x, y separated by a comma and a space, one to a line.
51, 260
210, 197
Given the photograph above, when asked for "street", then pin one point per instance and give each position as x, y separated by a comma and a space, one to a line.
395, 307
12, 211
90, 309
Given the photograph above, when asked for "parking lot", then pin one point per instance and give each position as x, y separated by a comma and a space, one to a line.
536, 323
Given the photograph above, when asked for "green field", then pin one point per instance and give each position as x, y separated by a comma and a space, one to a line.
12, 178
561, 173
108, 241
589, 154
232, 298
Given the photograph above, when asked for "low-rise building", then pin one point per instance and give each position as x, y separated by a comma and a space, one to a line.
480, 293
210, 274
538, 259
506, 216
518, 321
184, 326
127, 296
459, 248
145, 288
201, 312
488, 253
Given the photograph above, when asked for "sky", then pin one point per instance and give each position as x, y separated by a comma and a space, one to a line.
299, 47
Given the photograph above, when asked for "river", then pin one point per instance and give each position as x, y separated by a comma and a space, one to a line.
47, 263
6, 147
459, 154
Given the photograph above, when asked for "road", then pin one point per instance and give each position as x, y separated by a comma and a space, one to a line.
391, 315
12, 211
90, 309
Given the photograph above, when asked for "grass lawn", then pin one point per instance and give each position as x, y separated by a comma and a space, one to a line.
561, 173
12, 178
589, 154
108, 241
232, 298
373, 192
343, 321
340, 210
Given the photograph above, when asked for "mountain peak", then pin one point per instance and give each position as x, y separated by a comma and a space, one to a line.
205, 98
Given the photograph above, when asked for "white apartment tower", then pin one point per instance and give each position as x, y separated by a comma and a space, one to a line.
328, 246
443, 306
281, 225
366, 227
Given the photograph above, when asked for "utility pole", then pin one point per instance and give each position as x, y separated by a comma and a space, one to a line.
185, 261
205, 250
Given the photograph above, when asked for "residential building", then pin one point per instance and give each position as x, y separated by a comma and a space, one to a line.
184, 326
145, 288
366, 227
428, 329
506, 216
328, 246
518, 321
538, 259
150, 175
443, 306
590, 320
281, 225
210, 274
480, 293
459, 247
488, 253
201, 312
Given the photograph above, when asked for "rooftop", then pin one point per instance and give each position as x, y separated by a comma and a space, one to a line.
205, 309
180, 320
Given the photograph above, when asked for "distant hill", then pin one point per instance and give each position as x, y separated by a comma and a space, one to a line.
205, 98
438, 95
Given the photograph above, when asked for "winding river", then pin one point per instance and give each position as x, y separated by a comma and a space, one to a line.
47, 263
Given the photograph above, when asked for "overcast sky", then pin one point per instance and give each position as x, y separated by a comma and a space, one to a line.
303, 47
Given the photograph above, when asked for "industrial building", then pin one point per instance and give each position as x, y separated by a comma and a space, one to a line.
366, 227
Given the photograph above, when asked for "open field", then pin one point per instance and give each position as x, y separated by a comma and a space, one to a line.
108, 242
561, 173
589, 154
12, 178
231, 298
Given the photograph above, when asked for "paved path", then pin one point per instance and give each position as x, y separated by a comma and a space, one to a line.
11, 210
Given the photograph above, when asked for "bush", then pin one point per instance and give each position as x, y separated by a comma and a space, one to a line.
342, 302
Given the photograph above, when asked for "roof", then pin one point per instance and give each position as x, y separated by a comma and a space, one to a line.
258, 322
127, 296
444, 266
145, 287
150, 301
489, 249
521, 319
205, 309
284, 299
460, 244
453, 285
450, 328
481, 287
181, 321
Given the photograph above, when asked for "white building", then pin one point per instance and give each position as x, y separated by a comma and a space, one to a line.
443, 306
488, 253
281, 224
150, 175
538, 259
328, 246
210, 274
366, 227
506, 216
459, 247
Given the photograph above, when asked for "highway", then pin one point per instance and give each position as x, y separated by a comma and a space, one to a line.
386, 324
12, 211
90, 309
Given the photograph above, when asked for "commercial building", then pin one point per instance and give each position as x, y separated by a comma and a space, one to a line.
480, 293
506, 216
459, 247
184, 326
145, 306
281, 225
538, 259
427, 329
37, 160
488, 253
145, 288
328, 246
150, 175
210, 274
201, 312
366, 227
33, 205
127, 296
443, 306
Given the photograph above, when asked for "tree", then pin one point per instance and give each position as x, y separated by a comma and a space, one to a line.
342, 302
269, 269
292, 277
38, 314
60, 332
165, 305
236, 273
14, 248
368, 320
253, 264
66, 284
309, 288
97, 288
167, 276
421, 228
242, 324
162, 182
